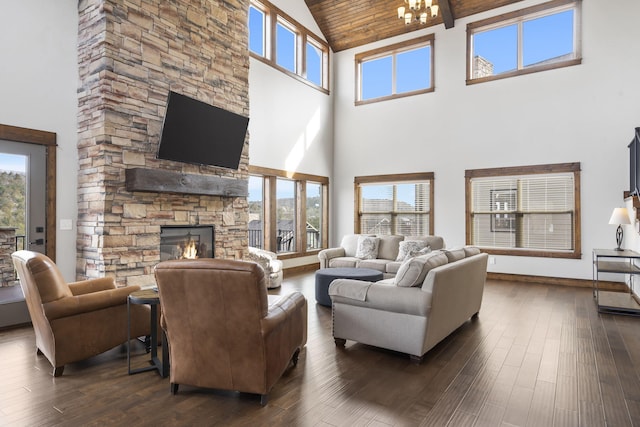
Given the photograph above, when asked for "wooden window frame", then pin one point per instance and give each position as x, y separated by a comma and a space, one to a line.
574, 168
396, 179
517, 17
270, 177
273, 16
393, 50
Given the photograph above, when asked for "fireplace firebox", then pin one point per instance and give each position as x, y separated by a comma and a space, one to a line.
191, 241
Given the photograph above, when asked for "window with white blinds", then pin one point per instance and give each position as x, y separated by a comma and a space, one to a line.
395, 204
525, 211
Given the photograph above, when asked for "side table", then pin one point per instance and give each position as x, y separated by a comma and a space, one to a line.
616, 262
150, 297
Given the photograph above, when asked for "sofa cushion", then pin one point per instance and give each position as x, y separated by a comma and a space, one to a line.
409, 272
433, 260
434, 242
407, 247
350, 244
374, 264
344, 262
471, 250
367, 247
389, 245
393, 267
454, 255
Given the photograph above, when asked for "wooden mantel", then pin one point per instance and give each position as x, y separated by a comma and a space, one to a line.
162, 181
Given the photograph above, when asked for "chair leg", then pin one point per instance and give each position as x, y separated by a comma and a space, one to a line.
57, 371
295, 357
340, 342
174, 388
264, 399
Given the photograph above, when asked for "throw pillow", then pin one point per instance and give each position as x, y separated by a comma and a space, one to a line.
409, 272
367, 247
408, 246
471, 250
455, 254
422, 251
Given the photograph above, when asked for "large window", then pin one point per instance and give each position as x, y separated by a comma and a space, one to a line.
394, 71
285, 215
315, 218
395, 204
280, 41
530, 211
287, 212
535, 39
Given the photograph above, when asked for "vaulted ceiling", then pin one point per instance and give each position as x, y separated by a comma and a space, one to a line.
351, 23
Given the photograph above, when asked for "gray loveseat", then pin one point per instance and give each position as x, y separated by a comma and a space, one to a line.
386, 256
413, 312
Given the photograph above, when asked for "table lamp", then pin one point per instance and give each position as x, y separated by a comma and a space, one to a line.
619, 216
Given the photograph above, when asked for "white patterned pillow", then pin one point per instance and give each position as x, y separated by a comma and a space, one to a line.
367, 247
409, 246
410, 272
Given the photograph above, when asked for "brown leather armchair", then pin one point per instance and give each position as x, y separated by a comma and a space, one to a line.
74, 321
222, 331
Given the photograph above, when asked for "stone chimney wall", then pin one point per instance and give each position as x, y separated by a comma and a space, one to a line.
130, 54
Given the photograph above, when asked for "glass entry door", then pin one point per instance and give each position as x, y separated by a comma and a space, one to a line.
23, 193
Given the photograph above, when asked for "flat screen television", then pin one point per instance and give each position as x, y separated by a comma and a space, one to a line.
634, 165
196, 132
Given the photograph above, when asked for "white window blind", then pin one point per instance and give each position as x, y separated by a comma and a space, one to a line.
395, 208
535, 212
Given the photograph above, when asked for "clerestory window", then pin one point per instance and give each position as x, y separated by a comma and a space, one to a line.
395, 71
537, 38
278, 40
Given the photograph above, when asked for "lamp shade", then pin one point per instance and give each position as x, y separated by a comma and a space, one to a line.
619, 216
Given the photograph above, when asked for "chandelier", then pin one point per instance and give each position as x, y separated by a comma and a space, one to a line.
417, 11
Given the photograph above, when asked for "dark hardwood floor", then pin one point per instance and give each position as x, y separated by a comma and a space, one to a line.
537, 355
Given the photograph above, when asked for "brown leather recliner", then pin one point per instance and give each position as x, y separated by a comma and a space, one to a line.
221, 329
74, 321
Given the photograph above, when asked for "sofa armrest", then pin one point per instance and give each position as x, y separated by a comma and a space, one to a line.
78, 304
457, 290
381, 296
92, 285
327, 254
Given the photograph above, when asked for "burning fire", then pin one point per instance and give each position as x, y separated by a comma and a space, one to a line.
190, 250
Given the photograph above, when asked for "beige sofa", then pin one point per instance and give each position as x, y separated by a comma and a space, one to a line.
447, 291
386, 256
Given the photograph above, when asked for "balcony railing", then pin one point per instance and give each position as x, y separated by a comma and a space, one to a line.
285, 240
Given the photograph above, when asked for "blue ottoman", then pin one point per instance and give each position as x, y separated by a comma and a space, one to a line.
325, 276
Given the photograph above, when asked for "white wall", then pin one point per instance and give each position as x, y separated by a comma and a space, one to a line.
585, 113
291, 123
38, 82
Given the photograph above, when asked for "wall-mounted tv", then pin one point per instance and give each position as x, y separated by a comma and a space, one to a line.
196, 132
634, 165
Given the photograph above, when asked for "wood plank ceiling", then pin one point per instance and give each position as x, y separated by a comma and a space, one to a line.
351, 23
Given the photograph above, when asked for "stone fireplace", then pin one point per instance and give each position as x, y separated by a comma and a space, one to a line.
130, 54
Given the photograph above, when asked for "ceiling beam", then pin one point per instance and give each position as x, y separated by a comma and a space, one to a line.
447, 16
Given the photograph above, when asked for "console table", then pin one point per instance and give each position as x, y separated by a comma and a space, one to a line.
616, 262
